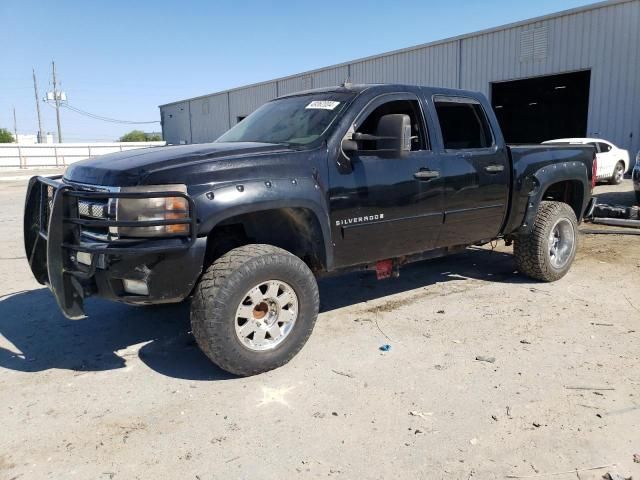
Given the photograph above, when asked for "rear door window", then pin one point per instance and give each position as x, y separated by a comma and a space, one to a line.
463, 123
604, 147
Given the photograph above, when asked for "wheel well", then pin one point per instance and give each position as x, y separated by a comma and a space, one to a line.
570, 192
296, 230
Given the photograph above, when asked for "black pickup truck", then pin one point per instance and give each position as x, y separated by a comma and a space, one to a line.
318, 182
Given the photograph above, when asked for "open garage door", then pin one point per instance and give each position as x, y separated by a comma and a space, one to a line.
543, 108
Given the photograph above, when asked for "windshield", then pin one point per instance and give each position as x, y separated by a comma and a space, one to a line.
291, 121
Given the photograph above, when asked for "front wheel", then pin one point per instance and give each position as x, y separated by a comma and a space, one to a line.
254, 309
618, 174
548, 251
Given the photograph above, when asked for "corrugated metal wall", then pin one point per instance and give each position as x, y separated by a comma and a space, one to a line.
176, 124
604, 38
435, 66
209, 117
323, 78
243, 102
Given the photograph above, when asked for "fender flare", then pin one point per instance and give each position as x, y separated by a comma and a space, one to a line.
231, 200
548, 175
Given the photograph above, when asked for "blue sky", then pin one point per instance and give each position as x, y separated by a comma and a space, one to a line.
121, 59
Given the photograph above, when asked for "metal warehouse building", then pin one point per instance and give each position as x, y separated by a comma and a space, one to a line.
572, 73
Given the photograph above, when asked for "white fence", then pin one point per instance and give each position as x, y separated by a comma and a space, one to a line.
61, 154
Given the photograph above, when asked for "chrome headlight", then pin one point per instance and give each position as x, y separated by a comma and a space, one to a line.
151, 208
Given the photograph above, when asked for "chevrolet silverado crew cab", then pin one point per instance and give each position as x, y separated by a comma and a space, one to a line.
318, 182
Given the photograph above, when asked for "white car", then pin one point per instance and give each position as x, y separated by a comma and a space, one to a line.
613, 162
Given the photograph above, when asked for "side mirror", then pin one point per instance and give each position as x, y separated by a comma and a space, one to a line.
347, 148
394, 133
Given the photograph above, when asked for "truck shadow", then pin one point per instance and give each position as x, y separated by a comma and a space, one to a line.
40, 338
476, 263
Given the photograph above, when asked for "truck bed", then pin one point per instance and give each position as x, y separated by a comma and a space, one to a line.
528, 164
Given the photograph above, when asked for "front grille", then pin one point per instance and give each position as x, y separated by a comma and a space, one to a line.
93, 208
86, 213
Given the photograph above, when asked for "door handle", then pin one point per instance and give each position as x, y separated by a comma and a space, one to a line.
494, 168
426, 174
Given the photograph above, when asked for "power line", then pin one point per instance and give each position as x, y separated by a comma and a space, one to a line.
60, 100
104, 119
99, 117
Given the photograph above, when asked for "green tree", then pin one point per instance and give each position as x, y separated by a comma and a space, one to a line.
154, 138
5, 136
134, 136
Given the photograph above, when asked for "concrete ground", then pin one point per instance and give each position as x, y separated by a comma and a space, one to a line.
126, 393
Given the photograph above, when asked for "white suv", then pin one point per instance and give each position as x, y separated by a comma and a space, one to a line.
613, 162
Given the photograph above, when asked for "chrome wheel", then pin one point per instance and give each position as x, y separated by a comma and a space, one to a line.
266, 315
562, 241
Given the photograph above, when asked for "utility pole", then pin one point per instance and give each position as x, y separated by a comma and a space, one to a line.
35, 91
15, 124
56, 97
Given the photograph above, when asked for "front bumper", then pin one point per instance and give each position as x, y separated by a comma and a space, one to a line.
54, 236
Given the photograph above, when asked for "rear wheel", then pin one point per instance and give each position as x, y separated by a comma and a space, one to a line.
618, 174
254, 309
548, 251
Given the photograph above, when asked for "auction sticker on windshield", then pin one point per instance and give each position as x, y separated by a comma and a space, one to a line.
323, 104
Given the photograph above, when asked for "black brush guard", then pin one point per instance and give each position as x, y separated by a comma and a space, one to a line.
53, 236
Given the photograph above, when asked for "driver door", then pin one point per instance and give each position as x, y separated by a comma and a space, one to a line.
391, 203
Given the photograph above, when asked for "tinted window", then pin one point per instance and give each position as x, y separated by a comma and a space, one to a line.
463, 124
404, 107
604, 147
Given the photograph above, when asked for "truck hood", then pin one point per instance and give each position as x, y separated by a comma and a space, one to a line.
132, 167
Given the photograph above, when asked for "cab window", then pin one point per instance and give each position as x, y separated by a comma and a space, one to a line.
463, 123
405, 107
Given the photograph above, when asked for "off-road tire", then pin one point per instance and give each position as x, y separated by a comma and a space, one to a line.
220, 291
616, 179
531, 250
